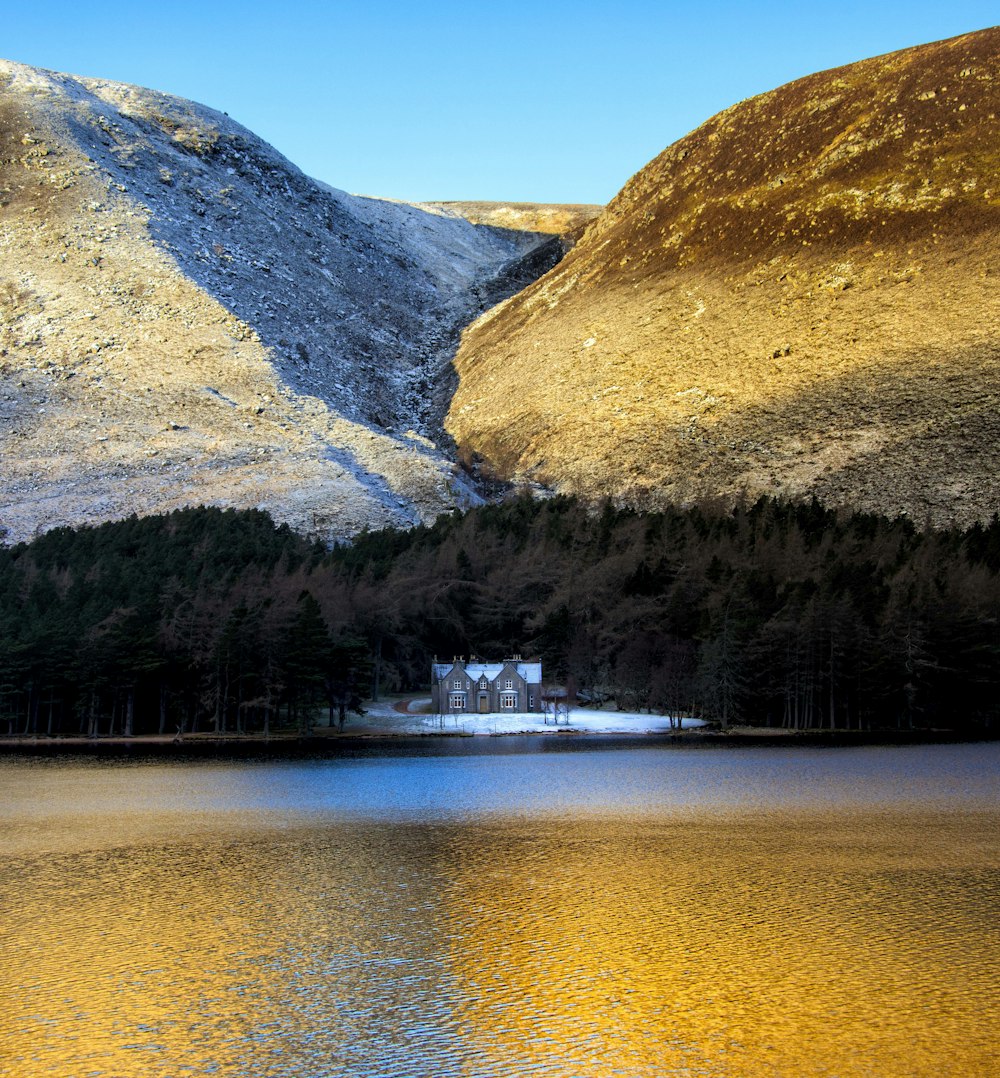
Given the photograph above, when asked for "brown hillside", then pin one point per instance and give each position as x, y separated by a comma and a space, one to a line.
799, 297
567, 221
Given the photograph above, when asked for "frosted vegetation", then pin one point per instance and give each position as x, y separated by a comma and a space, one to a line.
189, 318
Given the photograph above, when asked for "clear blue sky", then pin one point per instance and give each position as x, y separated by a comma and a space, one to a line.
548, 102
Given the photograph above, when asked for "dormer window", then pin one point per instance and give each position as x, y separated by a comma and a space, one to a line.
483, 683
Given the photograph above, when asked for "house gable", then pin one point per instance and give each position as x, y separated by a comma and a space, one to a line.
486, 687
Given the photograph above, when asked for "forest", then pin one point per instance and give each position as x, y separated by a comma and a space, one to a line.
768, 614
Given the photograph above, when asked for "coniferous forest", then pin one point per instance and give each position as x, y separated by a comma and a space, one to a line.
768, 614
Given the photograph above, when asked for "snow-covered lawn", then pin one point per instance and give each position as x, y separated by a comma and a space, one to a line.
384, 718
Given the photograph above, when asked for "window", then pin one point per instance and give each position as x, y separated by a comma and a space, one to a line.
457, 684
531, 701
508, 684
508, 701
456, 701
483, 683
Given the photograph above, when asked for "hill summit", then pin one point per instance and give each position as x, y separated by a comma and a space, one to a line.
800, 297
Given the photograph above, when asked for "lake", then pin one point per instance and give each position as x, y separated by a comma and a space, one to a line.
516, 906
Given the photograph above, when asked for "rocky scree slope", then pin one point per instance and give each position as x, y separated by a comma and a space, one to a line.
187, 318
800, 297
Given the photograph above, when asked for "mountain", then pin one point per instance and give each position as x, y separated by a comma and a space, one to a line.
187, 318
801, 297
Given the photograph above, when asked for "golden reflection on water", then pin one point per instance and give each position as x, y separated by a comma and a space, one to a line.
738, 947
787, 945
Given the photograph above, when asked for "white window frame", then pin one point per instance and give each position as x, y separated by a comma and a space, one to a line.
457, 683
456, 701
509, 683
508, 701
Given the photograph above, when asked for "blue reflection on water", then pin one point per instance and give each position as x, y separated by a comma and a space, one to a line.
519, 781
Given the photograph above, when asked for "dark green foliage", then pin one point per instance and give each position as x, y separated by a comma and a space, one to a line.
147, 625
770, 614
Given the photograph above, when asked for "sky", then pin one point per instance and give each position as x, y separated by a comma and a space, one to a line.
516, 101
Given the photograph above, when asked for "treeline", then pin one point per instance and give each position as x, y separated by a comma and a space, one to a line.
769, 614
200, 620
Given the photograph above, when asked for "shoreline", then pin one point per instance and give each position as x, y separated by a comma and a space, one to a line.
333, 743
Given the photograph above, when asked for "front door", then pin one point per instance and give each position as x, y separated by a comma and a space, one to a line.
484, 703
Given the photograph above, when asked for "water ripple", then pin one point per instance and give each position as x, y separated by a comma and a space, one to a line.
799, 942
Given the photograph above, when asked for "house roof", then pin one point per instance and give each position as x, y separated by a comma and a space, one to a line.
531, 672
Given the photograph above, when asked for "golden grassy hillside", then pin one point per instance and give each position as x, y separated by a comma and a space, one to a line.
567, 220
800, 297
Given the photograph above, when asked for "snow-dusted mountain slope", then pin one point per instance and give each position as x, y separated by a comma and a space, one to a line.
187, 318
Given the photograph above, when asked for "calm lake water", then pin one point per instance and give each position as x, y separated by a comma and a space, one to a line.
509, 909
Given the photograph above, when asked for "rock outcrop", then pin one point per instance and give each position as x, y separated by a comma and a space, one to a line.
801, 297
187, 318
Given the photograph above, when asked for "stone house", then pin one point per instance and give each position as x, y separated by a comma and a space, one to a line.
483, 687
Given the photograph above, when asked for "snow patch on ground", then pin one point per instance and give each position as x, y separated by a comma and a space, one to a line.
383, 718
